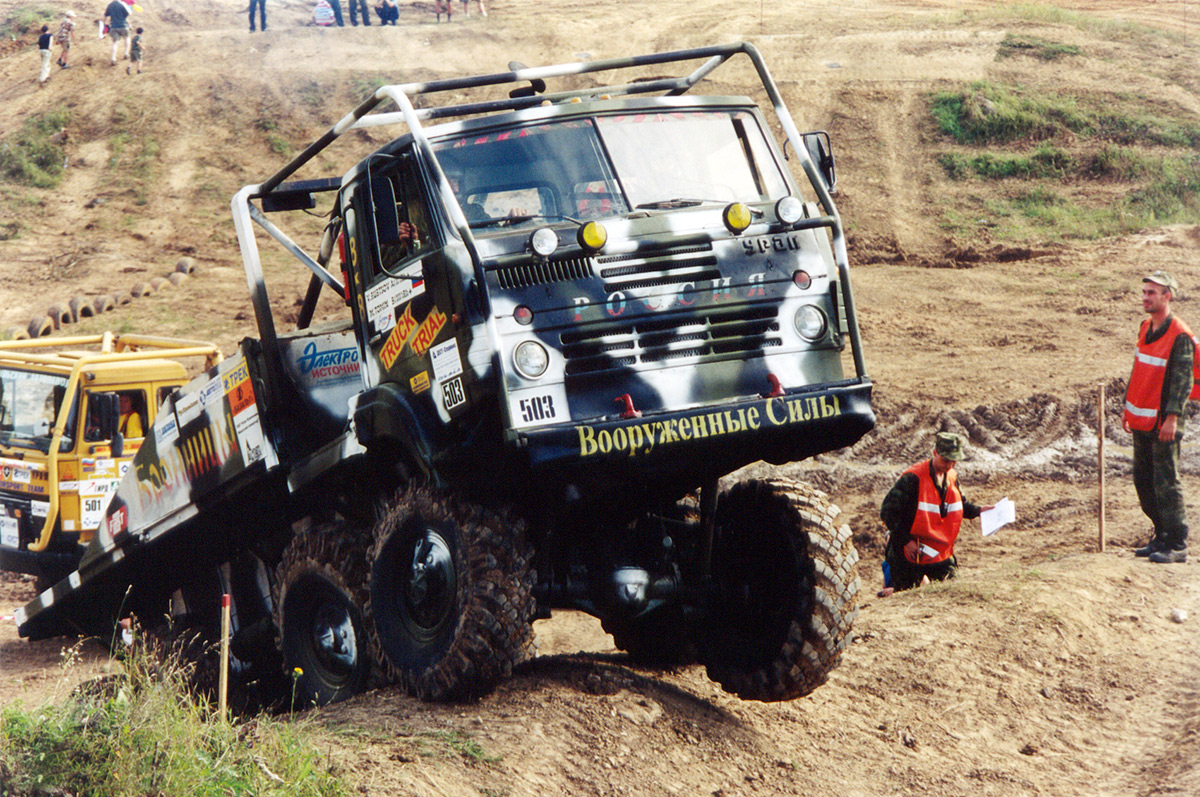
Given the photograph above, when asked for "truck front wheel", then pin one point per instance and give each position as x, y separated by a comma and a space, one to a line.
319, 595
785, 587
451, 595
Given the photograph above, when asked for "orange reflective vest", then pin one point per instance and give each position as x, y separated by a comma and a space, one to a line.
934, 532
1144, 394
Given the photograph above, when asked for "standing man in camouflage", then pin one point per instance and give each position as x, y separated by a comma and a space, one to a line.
1159, 388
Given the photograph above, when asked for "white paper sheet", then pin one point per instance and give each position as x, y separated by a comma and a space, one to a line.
1003, 513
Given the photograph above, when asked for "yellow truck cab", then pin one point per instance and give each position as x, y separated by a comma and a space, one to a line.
73, 412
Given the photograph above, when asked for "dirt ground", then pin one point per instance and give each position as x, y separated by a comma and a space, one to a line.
1049, 667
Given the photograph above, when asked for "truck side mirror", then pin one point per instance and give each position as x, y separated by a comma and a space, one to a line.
384, 222
820, 150
104, 417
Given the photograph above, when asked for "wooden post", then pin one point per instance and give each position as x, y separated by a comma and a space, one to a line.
223, 677
1100, 455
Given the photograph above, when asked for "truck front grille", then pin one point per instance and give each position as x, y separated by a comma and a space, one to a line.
717, 334
538, 273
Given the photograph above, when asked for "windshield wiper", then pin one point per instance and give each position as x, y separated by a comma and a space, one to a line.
677, 202
520, 218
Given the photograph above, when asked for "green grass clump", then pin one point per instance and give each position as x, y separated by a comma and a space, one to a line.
1046, 162
987, 113
142, 732
32, 155
25, 20
1036, 47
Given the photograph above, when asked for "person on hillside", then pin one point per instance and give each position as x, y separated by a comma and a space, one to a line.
358, 7
45, 42
467, 7
1162, 381
388, 12
262, 14
65, 38
323, 14
116, 17
136, 53
443, 5
923, 513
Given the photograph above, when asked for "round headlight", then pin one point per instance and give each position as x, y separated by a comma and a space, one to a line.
810, 322
737, 217
592, 236
531, 359
544, 241
789, 210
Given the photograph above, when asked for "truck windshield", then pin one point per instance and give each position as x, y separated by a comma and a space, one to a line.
611, 165
29, 404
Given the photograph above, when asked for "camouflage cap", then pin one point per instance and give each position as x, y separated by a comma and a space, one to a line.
949, 445
1164, 279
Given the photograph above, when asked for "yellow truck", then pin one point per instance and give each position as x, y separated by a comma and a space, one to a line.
73, 413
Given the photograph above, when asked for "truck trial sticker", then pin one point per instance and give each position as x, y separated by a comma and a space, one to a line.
9, 532
395, 341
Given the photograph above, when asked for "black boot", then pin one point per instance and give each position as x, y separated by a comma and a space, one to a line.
1154, 546
1169, 556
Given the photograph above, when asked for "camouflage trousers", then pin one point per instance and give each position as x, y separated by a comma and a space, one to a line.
1156, 479
906, 575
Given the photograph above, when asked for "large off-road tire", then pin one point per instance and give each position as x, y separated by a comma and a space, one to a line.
785, 588
319, 596
451, 595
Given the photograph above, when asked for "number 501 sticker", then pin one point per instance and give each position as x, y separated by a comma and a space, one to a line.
539, 406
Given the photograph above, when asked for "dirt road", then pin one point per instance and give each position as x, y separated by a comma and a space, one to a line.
1048, 668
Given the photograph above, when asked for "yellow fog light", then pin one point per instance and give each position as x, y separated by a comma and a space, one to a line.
592, 236
737, 217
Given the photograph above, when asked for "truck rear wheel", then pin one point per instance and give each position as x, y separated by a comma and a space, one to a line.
451, 595
785, 588
319, 596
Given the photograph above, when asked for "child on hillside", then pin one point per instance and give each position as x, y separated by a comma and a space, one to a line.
323, 14
135, 52
44, 43
65, 37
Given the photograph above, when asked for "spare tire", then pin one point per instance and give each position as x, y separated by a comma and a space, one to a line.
81, 307
61, 315
41, 326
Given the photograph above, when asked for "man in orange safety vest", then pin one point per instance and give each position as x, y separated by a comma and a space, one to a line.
1162, 381
923, 512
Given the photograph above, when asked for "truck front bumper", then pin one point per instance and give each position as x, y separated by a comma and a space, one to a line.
710, 440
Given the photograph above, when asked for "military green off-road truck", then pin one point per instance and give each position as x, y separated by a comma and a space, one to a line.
573, 299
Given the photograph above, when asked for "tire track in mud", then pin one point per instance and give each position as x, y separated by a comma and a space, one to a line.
1044, 437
